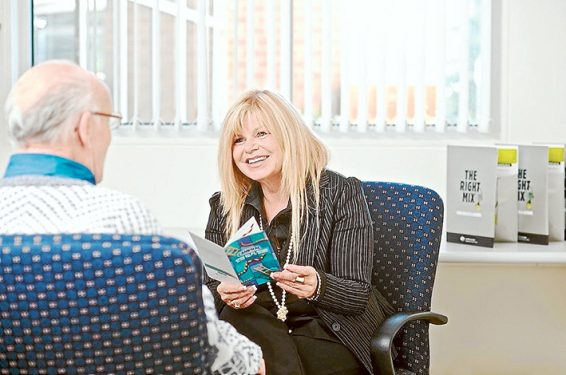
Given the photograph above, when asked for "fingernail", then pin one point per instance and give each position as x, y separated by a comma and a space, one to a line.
255, 297
278, 284
285, 265
244, 287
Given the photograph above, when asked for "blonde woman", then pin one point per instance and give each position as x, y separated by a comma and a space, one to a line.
318, 314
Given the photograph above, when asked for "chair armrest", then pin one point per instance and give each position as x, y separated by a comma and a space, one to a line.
382, 341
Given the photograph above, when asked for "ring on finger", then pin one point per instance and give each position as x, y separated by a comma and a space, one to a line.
299, 279
236, 305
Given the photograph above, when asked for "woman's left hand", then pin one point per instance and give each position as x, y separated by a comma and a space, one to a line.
298, 280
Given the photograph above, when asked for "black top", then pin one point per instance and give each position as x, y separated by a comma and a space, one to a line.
278, 232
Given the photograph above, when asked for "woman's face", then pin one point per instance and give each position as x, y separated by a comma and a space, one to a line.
257, 154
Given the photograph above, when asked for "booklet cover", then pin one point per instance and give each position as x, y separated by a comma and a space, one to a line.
471, 195
247, 258
533, 194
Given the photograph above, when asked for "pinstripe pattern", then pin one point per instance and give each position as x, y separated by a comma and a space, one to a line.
42, 204
340, 246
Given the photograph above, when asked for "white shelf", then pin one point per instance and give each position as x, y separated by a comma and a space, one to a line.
510, 253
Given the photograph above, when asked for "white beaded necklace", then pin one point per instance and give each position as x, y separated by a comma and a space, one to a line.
281, 308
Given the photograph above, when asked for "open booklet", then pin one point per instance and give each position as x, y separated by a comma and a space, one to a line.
247, 258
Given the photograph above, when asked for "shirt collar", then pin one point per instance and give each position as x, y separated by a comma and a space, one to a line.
47, 165
255, 196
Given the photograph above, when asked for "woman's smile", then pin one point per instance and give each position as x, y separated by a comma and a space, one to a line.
256, 160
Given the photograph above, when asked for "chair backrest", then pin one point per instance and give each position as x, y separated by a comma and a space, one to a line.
89, 303
407, 232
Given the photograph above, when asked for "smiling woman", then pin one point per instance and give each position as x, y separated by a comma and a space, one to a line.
296, 152
319, 314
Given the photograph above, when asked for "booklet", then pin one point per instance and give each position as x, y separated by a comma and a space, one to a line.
471, 195
556, 222
556, 192
247, 258
533, 194
482, 194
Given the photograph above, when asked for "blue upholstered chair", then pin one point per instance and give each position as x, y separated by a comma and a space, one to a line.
407, 231
88, 303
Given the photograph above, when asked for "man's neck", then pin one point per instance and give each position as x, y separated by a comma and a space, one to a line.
44, 149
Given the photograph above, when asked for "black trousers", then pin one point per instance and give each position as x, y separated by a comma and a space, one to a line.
295, 347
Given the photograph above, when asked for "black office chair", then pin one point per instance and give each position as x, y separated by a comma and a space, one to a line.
407, 232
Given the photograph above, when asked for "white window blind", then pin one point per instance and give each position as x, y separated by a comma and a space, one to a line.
361, 66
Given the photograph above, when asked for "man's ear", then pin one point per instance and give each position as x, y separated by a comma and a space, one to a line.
83, 130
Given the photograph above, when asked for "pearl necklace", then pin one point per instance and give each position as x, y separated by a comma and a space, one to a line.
281, 308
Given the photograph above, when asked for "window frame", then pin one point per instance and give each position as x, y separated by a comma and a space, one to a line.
189, 136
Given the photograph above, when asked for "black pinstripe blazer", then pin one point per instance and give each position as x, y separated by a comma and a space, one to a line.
340, 248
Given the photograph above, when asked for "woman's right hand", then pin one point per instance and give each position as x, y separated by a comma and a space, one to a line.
237, 296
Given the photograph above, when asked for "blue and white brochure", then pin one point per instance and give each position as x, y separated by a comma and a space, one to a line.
247, 258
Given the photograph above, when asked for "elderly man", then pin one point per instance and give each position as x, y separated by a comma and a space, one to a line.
60, 118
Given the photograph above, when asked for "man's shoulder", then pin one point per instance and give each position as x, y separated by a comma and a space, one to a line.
117, 200
41, 181
109, 192
73, 189
80, 207
90, 191
120, 207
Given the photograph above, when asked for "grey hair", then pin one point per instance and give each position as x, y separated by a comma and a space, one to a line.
51, 117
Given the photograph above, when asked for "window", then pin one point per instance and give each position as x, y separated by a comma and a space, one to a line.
350, 66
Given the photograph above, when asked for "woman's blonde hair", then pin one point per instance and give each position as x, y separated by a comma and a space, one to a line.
304, 157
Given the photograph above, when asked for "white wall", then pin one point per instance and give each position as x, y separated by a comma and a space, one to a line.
524, 327
534, 70
4, 79
503, 320
176, 179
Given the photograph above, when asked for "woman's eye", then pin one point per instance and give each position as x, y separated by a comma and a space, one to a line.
262, 133
238, 140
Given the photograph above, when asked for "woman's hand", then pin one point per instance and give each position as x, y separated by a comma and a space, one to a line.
237, 296
298, 280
